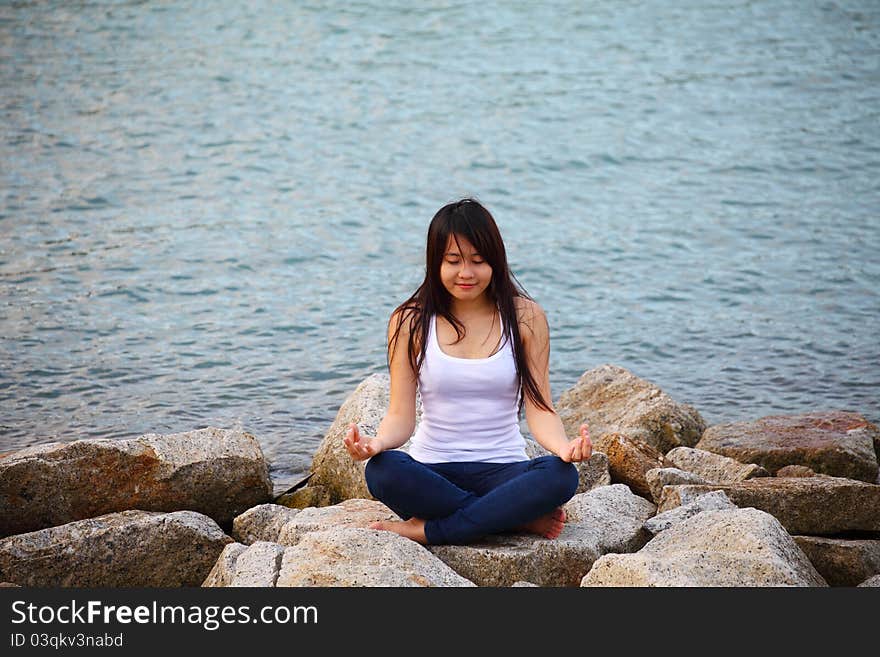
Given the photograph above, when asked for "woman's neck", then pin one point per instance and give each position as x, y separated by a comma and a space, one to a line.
464, 310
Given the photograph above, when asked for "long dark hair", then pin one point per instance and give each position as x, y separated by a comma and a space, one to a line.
469, 219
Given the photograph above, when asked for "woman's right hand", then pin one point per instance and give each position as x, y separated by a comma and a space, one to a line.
360, 447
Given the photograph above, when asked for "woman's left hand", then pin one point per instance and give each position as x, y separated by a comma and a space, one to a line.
579, 449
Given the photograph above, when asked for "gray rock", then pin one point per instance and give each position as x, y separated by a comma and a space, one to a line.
502, 559
216, 472
741, 547
842, 562
807, 505
836, 443
605, 519
657, 478
714, 501
714, 468
614, 515
871, 581
350, 513
612, 399
262, 523
125, 549
515, 584
240, 565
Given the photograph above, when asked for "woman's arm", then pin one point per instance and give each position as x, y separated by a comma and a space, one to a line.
400, 419
546, 426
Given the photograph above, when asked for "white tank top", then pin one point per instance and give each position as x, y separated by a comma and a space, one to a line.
469, 407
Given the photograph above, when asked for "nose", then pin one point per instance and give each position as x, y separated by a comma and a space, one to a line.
465, 271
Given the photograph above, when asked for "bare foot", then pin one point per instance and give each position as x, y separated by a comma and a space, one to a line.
414, 528
548, 526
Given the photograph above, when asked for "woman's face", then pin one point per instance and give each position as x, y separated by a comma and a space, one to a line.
464, 273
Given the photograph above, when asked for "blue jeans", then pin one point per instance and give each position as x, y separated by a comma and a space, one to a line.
461, 502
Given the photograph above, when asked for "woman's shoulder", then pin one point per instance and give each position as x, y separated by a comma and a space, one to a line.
529, 314
404, 316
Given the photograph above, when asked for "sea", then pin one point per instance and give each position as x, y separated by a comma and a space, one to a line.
209, 209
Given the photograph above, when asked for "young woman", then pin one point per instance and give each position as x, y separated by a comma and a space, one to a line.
477, 348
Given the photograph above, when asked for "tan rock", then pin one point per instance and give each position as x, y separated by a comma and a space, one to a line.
213, 471
125, 549
350, 556
837, 443
305, 497
262, 523
333, 469
714, 468
842, 562
612, 399
807, 505
795, 471
657, 478
734, 548
629, 460
349, 513
240, 565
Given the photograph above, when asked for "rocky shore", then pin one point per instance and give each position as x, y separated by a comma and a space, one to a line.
664, 501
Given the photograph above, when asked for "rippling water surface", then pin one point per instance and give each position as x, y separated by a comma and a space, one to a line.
209, 209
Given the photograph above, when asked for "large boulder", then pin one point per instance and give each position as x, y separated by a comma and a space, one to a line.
837, 443
611, 399
125, 549
741, 547
262, 523
338, 557
605, 519
804, 505
842, 562
333, 469
217, 472
713, 467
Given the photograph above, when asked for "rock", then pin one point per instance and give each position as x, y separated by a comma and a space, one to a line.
502, 559
795, 471
332, 467
807, 505
278, 524
216, 472
262, 523
515, 584
125, 549
305, 497
871, 581
350, 513
842, 562
592, 473
837, 443
712, 467
240, 565
612, 399
714, 501
629, 460
350, 556
741, 547
657, 478
605, 519
614, 515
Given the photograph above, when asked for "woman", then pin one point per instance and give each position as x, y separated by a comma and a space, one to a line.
477, 348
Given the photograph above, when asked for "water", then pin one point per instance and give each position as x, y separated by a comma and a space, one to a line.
209, 209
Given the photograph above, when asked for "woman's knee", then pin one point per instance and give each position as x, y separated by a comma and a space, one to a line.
382, 469
564, 477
